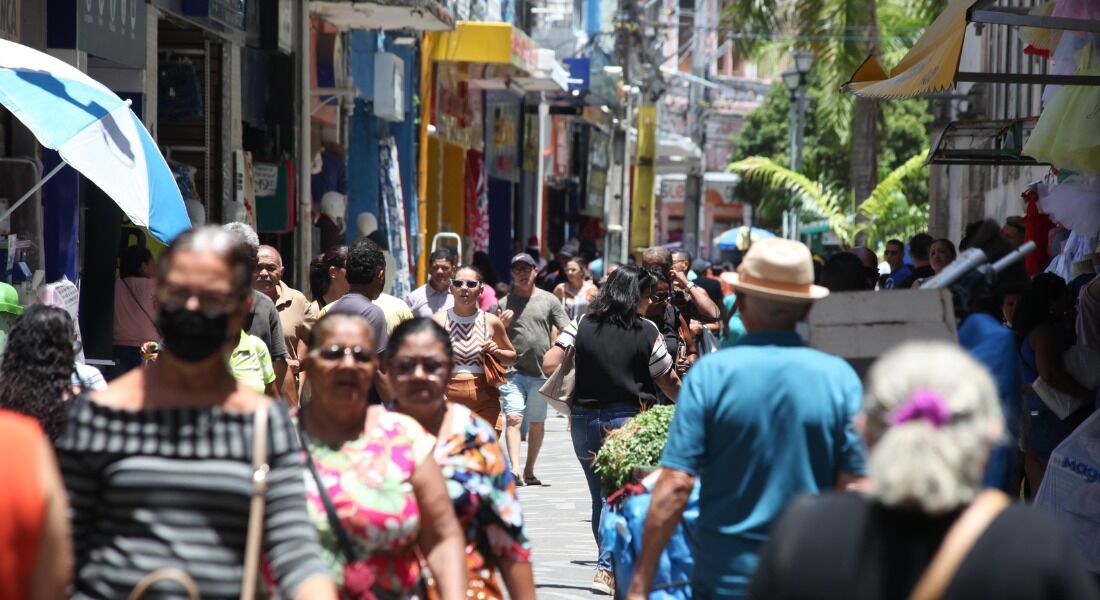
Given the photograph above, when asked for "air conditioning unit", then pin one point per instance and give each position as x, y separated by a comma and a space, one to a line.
389, 87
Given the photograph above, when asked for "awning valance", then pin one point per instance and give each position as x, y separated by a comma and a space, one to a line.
931, 66
418, 15
489, 43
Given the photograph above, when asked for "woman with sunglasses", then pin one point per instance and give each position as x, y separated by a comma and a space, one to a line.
619, 353
374, 468
159, 466
474, 333
481, 487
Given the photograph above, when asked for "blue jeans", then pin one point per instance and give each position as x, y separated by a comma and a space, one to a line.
589, 425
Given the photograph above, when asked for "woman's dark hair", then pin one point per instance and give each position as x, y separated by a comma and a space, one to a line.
237, 254
618, 300
1035, 305
415, 327
36, 372
319, 281
987, 236
130, 260
485, 266
948, 243
844, 272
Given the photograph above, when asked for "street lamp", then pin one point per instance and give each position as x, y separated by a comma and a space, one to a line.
795, 80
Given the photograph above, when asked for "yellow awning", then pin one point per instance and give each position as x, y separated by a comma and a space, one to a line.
929, 67
489, 43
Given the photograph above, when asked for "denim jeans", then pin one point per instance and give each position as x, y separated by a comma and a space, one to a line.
589, 426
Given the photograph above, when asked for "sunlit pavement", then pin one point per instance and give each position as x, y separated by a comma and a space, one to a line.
557, 519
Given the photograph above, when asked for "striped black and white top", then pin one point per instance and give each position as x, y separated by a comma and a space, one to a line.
170, 487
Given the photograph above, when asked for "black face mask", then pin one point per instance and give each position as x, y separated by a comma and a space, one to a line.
192, 335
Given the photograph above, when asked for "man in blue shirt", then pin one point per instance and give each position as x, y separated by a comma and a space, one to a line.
894, 255
759, 424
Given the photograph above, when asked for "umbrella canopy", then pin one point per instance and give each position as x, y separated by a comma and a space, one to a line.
739, 238
96, 133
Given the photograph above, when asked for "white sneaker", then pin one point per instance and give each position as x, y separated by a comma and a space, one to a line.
604, 582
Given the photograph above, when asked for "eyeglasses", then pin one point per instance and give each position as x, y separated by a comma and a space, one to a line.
522, 268
338, 352
175, 297
458, 283
406, 367
659, 298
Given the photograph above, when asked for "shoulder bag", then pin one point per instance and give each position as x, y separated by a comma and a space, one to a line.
494, 371
560, 389
958, 542
260, 469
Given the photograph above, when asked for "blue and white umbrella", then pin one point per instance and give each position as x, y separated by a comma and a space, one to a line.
740, 238
96, 133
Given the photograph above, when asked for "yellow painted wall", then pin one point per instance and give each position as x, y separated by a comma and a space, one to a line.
454, 189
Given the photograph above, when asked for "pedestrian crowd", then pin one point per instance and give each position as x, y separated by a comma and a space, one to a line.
352, 444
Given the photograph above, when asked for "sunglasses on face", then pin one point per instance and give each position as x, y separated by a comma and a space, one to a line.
458, 283
338, 352
659, 298
406, 367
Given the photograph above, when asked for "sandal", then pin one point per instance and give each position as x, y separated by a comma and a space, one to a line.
519, 480
532, 480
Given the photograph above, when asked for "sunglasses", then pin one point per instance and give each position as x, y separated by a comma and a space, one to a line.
470, 284
406, 367
338, 352
659, 298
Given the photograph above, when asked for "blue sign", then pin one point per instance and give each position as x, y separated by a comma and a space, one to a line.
230, 13
580, 70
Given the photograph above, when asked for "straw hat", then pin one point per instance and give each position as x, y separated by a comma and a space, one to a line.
777, 269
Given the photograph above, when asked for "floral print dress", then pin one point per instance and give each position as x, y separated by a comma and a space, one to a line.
370, 483
483, 491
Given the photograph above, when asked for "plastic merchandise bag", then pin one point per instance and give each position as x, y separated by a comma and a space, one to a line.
621, 528
1075, 203
1071, 489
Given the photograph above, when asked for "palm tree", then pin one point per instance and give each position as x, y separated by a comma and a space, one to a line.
842, 34
882, 214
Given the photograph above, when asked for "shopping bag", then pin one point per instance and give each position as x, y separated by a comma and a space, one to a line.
1070, 491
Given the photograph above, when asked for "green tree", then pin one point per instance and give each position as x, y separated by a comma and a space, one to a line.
885, 213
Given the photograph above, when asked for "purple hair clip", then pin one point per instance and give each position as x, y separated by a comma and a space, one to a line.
925, 405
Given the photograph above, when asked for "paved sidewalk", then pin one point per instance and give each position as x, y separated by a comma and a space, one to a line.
557, 515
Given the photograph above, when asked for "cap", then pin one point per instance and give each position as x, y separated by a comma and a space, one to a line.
699, 265
568, 250
532, 242
9, 300
525, 258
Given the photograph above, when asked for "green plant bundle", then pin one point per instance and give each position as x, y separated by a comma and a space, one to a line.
639, 443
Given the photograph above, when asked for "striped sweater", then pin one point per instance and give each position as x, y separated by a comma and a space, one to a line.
170, 487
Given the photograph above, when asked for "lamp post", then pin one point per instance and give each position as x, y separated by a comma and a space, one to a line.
795, 80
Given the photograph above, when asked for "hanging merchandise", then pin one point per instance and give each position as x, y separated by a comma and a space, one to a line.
1077, 247
1037, 228
393, 207
1075, 203
477, 202
1068, 131
1064, 61
1041, 41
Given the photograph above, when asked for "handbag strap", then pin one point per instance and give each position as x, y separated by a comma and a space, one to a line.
165, 574
330, 509
958, 542
260, 470
140, 306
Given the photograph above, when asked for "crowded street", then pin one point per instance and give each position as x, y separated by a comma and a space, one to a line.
552, 299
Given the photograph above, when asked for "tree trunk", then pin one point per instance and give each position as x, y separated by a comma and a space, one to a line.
863, 171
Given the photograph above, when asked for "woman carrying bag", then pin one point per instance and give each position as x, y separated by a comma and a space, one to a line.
482, 350
178, 466
617, 353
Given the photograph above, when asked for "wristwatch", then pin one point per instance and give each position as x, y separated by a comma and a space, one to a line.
691, 286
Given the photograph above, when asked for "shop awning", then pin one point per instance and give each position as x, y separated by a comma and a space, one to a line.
932, 64
984, 143
488, 43
418, 15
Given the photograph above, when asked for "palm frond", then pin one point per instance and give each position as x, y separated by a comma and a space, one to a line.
891, 185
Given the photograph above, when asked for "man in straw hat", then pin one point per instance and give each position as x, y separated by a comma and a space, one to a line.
758, 423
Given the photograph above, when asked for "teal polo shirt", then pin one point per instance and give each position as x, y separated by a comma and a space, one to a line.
759, 423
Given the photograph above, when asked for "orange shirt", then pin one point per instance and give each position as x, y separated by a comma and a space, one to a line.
22, 502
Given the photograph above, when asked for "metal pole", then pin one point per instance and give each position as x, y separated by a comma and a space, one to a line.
792, 136
30, 192
305, 155
624, 187
693, 190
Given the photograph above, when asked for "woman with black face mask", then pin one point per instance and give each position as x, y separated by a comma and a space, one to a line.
163, 466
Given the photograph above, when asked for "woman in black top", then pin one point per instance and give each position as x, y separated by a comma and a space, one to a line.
932, 416
618, 353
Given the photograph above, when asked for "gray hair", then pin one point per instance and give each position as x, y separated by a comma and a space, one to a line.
245, 232
915, 463
220, 243
657, 255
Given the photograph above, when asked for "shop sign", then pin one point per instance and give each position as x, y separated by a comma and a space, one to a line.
562, 150
598, 163
9, 20
502, 139
531, 143
525, 51
110, 29
230, 13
